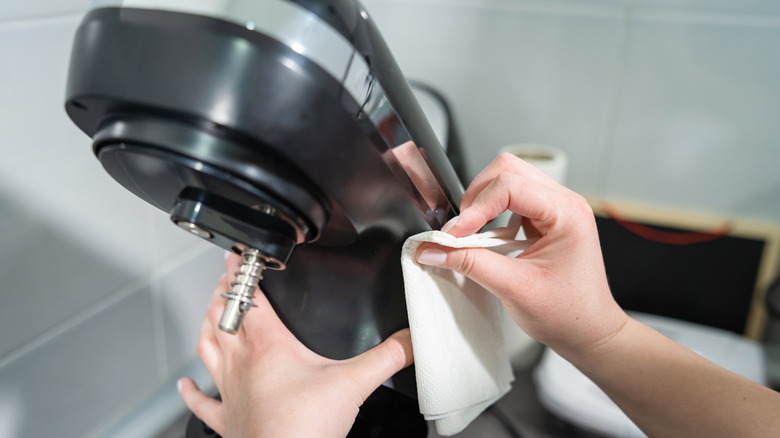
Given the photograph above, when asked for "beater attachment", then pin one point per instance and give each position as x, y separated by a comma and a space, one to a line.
239, 298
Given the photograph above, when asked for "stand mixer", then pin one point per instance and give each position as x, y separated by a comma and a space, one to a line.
281, 130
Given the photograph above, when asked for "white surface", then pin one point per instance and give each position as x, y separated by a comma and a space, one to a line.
460, 360
77, 379
568, 393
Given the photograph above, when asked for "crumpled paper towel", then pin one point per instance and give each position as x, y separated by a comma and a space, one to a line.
461, 364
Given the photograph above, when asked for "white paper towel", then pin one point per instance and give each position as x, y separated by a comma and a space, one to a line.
460, 361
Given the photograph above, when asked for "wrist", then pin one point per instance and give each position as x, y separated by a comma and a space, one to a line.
606, 333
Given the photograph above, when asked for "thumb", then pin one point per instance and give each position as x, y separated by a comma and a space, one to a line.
378, 364
485, 267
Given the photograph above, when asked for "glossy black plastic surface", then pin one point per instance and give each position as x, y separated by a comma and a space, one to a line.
351, 19
187, 110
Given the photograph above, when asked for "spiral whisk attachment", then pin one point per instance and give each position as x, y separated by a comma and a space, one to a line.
239, 298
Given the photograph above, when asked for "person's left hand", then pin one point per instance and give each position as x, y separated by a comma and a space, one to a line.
273, 386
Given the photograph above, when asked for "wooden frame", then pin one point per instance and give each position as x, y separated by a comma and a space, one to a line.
655, 216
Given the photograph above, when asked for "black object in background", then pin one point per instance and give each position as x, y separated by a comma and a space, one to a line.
710, 283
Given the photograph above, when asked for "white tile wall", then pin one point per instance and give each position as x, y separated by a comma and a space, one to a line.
49, 167
170, 242
101, 298
658, 101
82, 376
72, 240
47, 277
697, 117
59, 211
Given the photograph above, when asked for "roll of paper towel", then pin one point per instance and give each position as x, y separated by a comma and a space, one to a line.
522, 348
550, 160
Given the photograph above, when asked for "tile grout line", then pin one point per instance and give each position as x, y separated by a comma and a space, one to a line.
158, 329
560, 7
42, 19
158, 325
101, 305
73, 321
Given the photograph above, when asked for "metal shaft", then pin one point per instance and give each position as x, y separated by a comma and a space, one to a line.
239, 298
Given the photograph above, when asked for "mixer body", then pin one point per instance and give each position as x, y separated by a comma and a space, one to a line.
279, 127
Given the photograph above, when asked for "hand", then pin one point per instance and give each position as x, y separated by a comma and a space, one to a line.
556, 290
273, 386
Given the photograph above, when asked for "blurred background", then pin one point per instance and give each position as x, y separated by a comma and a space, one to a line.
674, 103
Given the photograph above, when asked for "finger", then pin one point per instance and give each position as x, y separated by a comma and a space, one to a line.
503, 163
204, 407
210, 354
378, 364
207, 328
208, 347
524, 196
262, 320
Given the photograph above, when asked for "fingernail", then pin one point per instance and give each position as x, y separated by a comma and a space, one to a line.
179, 385
227, 254
432, 257
451, 223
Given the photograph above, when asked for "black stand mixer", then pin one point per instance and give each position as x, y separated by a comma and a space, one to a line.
281, 130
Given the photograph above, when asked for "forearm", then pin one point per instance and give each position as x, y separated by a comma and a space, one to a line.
668, 390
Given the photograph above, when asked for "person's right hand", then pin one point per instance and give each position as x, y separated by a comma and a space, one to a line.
556, 290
